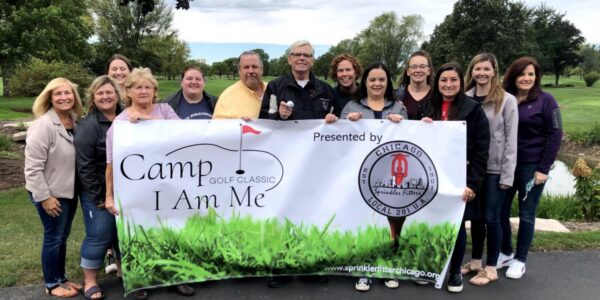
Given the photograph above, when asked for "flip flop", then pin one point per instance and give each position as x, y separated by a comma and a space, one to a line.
60, 291
74, 285
482, 278
468, 268
92, 291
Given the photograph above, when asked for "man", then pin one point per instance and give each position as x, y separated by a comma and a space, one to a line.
242, 100
309, 97
298, 96
191, 101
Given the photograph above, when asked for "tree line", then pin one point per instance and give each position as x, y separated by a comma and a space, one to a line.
82, 34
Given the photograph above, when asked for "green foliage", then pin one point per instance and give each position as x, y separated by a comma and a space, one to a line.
462, 34
211, 247
146, 39
591, 57
389, 40
591, 78
30, 79
562, 208
49, 30
589, 137
6, 143
556, 41
587, 186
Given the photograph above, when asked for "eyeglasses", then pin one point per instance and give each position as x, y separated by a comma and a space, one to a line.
418, 66
294, 54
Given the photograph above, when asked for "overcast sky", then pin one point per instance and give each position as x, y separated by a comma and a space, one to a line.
326, 22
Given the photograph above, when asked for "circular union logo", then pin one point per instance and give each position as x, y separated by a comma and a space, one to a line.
397, 179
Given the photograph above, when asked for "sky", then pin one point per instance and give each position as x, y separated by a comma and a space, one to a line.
218, 29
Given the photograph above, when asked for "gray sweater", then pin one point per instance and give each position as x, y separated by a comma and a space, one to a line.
389, 107
503, 137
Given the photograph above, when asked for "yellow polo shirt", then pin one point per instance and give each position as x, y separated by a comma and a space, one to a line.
238, 101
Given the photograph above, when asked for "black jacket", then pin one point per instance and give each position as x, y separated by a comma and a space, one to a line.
314, 101
90, 159
478, 143
175, 99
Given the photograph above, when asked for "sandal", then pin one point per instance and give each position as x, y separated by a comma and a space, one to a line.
74, 285
94, 290
469, 268
61, 291
482, 278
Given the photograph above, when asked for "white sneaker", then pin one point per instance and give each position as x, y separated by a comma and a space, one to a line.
363, 284
516, 269
504, 260
391, 283
421, 282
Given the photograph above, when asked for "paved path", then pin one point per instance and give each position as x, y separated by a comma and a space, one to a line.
550, 275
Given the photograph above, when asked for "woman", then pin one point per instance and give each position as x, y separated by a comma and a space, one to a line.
50, 177
375, 101
117, 68
90, 141
449, 103
345, 70
540, 133
191, 101
415, 85
141, 90
483, 85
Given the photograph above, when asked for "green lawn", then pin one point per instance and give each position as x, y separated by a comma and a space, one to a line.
21, 237
580, 105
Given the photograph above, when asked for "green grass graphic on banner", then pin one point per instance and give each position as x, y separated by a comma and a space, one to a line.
211, 247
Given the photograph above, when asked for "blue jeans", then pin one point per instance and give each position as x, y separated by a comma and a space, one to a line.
54, 247
527, 211
100, 233
492, 198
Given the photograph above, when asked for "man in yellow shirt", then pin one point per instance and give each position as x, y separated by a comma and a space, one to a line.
242, 100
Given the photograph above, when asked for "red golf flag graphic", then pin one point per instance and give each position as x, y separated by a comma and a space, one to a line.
248, 129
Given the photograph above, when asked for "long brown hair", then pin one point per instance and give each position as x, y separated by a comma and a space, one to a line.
496, 94
437, 98
516, 69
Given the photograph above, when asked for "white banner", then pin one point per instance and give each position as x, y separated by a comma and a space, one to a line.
340, 178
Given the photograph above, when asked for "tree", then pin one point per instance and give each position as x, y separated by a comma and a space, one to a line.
265, 60
230, 66
321, 66
126, 30
557, 41
48, 30
496, 26
218, 68
390, 40
149, 5
590, 54
171, 53
279, 66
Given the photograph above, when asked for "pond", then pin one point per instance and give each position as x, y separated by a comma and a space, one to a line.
561, 181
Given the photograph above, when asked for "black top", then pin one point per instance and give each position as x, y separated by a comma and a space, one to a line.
313, 101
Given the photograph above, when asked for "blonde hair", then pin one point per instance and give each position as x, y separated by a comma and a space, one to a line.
96, 84
137, 76
43, 102
496, 94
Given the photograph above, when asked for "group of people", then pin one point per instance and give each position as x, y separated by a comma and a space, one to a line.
513, 136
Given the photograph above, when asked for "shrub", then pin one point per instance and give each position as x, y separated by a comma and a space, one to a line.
6, 143
30, 79
589, 137
591, 78
587, 182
